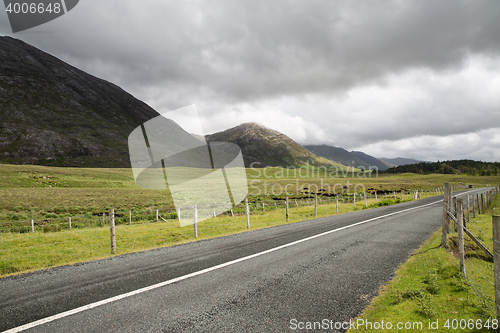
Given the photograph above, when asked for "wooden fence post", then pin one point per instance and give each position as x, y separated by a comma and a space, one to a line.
496, 259
478, 204
461, 250
366, 204
32, 225
473, 207
103, 217
247, 212
112, 230
157, 216
70, 223
129, 217
354, 199
337, 203
468, 207
195, 220
444, 227
376, 198
286, 203
179, 214
394, 192
315, 205
455, 213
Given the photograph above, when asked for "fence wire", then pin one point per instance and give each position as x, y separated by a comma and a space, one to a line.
478, 246
51, 241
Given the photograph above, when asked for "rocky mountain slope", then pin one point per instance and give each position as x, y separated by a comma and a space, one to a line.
266, 147
55, 114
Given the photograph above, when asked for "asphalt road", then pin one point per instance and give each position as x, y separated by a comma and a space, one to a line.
332, 271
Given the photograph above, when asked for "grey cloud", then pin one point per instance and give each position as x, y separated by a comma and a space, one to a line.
254, 50
227, 53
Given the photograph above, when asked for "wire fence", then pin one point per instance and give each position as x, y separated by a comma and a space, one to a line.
472, 240
46, 242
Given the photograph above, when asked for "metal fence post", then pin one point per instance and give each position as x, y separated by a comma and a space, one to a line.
315, 205
286, 203
195, 220
247, 211
112, 230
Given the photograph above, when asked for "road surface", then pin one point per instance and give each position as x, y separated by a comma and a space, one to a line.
259, 281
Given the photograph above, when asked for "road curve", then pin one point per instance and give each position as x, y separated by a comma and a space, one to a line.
327, 268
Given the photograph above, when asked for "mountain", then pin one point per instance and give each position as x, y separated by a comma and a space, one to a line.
261, 147
399, 161
55, 114
342, 156
370, 160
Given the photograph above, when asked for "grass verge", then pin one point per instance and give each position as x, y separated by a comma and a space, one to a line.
430, 294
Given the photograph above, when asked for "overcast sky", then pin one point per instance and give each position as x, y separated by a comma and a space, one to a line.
418, 79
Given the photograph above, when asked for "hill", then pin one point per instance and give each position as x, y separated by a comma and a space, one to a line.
468, 167
55, 114
262, 147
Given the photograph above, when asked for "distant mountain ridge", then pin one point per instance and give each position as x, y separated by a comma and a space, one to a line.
399, 161
354, 158
371, 161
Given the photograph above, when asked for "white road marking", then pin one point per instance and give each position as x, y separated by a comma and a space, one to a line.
206, 270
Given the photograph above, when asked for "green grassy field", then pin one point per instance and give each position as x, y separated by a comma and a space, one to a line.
50, 195
28, 251
32, 192
430, 288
